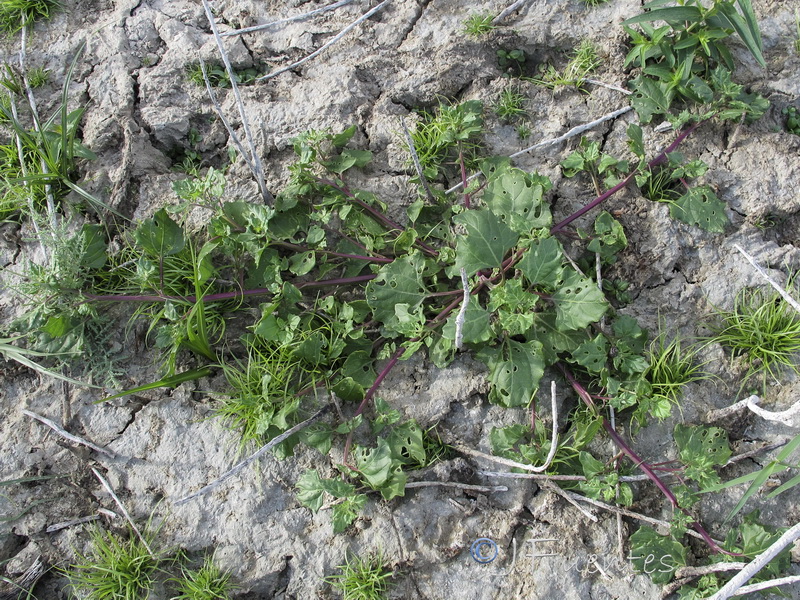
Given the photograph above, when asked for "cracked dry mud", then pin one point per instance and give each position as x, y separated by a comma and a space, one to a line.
140, 110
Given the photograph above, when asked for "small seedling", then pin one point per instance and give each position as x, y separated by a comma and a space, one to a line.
764, 329
362, 578
38, 77
673, 365
792, 119
511, 62
594, 2
510, 105
218, 76
478, 25
583, 60
206, 583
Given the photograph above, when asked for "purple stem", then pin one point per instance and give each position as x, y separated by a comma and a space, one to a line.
660, 158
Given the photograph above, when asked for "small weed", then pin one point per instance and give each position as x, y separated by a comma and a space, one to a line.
16, 13
510, 105
478, 25
511, 62
673, 364
38, 77
218, 76
582, 62
792, 119
594, 2
523, 131
362, 578
762, 328
206, 583
660, 186
117, 568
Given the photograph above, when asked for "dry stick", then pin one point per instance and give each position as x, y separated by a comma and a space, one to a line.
22, 587
784, 294
65, 434
508, 10
545, 477
326, 45
122, 508
258, 170
751, 403
462, 313
628, 513
460, 486
415, 159
579, 129
274, 442
218, 109
765, 585
300, 17
64, 524
729, 589
549, 485
684, 575
610, 86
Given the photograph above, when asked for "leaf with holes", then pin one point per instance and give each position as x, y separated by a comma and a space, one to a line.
541, 263
657, 555
160, 236
486, 242
515, 369
554, 340
700, 207
592, 354
399, 282
578, 302
476, 329
701, 449
517, 198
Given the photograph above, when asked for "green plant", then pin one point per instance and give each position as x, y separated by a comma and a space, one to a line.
511, 62
218, 76
117, 568
672, 365
797, 31
510, 105
205, 583
687, 58
582, 62
38, 77
594, 2
362, 578
14, 14
792, 119
477, 25
764, 330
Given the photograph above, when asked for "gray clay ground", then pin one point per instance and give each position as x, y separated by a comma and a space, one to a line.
141, 108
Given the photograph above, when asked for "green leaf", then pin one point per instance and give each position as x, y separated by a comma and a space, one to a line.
347, 159
578, 302
346, 512
171, 382
317, 436
746, 27
486, 242
554, 340
375, 465
93, 246
348, 390
650, 98
700, 207
670, 14
541, 263
311, 491
702, 448
160, 236
517, 198
609, 236
592, 354
635, 140
399, 282
406, 443
340, 139
515, 369
657, 555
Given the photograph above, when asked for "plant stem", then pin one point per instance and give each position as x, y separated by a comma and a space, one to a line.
659, 159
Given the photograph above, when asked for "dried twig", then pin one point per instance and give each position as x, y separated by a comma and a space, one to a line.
610, 86
107, 486
730, 588
462, 313
300, 17
67, 435
274, 442
326, 45
508, 10
684, 575
545, 477
787, 417
460, 486
569, 134
549, 485
765, 585
784, 294
64, 524
256, 167
415, 158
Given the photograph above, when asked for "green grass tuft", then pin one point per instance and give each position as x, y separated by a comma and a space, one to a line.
206, 583
477, 25
362, 578
16, 13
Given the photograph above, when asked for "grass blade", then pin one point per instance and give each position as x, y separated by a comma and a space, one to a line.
172, 381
